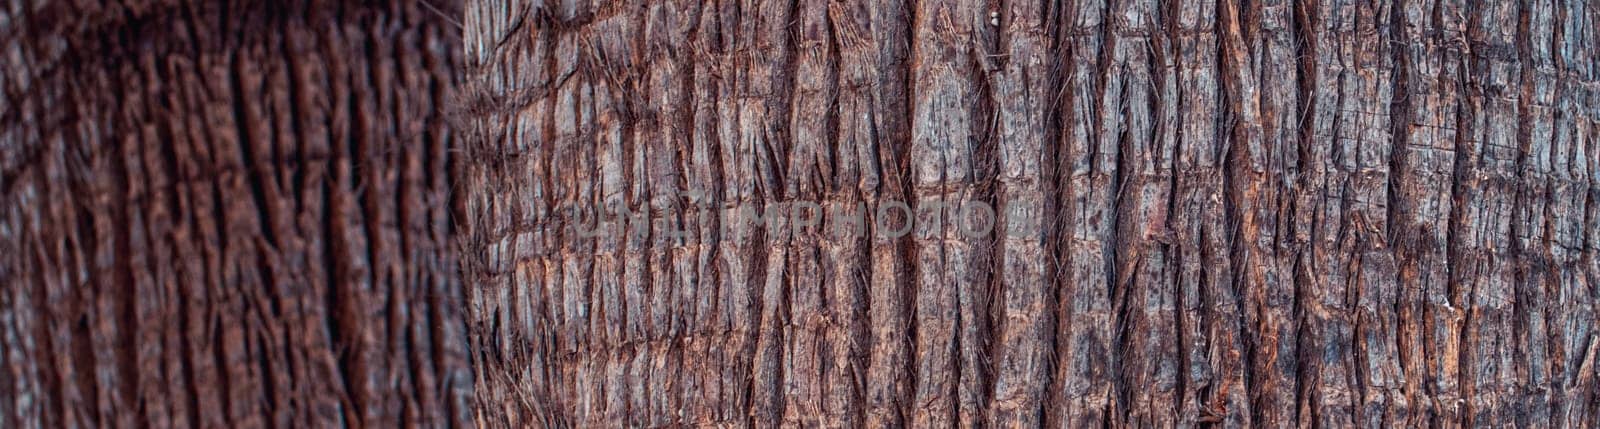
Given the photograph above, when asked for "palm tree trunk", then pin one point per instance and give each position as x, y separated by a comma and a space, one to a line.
1271, 213
227, 214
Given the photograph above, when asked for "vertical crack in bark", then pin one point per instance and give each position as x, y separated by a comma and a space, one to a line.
1306, 23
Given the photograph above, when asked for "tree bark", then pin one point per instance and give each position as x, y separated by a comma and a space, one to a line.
227, 214
1274, 213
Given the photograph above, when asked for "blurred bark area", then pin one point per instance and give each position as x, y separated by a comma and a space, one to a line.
227, 214
1325, 213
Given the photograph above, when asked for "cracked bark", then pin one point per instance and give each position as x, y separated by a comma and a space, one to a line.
1264, 213
228, 213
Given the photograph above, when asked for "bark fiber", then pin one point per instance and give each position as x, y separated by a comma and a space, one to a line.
1273, 213
227, 213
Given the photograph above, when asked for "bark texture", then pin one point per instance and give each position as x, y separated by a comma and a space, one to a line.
1327, 213
227, 214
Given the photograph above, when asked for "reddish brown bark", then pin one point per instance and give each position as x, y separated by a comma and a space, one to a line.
227, 214
1275, 213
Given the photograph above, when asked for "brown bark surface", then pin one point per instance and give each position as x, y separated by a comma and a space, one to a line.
227, 214
1276, 213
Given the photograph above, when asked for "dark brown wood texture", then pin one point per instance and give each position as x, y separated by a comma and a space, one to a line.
227, 214
1325, 213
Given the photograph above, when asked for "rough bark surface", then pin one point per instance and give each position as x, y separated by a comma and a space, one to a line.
1323, 213
227, 214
